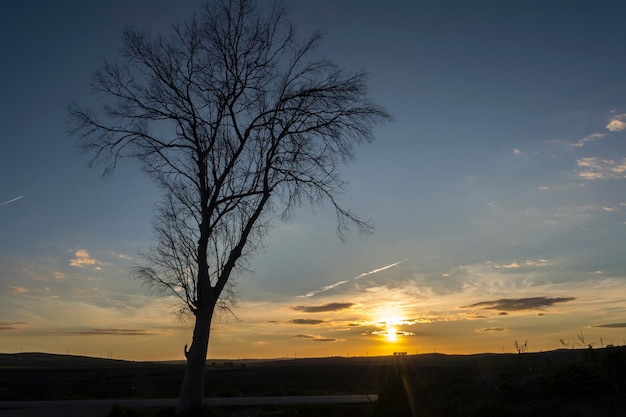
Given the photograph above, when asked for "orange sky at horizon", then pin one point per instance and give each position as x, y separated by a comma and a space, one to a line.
376, 321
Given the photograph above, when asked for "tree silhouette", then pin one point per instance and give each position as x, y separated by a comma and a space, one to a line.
238, 123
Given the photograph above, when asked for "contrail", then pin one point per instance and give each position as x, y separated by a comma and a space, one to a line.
336, 284
10, 201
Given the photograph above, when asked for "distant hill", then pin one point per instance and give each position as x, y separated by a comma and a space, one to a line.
51, 360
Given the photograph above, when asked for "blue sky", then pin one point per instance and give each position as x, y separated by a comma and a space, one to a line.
498, 192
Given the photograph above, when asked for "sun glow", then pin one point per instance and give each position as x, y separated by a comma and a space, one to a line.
392, 333
389, 324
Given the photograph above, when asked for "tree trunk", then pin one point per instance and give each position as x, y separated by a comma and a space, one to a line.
192, 390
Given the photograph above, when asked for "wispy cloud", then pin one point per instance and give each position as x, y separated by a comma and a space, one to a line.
386, 332
519, 304
303, 336
522, 264
491, 330
316, 338
19, 290
512, 265
113, 332
594, 168
617, 123
59, 276
306, 321
10, 201
13, 325
324, 307
588, 139
611, 325
336, 284
82, 259
537, 263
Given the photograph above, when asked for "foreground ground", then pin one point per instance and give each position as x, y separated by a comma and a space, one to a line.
559, 383
164, 406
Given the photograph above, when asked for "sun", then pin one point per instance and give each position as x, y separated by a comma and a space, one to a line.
390, 322
392, 333
392, 326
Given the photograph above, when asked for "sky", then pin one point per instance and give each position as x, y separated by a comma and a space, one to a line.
498, 192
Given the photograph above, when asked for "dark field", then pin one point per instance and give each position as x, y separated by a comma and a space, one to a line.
558, 383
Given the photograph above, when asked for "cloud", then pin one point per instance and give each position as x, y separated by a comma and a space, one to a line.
10, 201
516, 152
491, 330
59, 276
336, 284
594, 168
113, 332
512, 265
617, 123
538, 262
611, 325
519, 304
303, 336
19, 290
324, 307
386, 332
314, 338
527, 262
474, 317
83, 259
306, 321
403, 322
587, 139
14, 325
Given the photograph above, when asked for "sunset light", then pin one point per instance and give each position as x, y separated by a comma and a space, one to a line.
392, 334
392, 326
497, 192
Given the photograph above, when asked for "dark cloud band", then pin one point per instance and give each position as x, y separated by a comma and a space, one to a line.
14, 325
519, 304
113, 332
306, 321
611, 325
314, 338
491, 330
324, 307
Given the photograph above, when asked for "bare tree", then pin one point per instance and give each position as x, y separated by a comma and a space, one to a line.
238, 122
